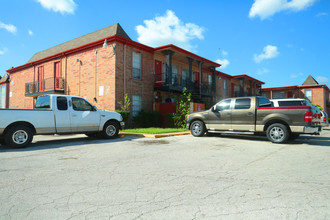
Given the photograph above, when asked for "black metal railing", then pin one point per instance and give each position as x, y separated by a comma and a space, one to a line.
45, 85
178, 82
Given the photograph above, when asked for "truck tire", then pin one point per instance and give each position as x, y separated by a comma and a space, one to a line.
110, 130
197, 128
277, 133
18, 136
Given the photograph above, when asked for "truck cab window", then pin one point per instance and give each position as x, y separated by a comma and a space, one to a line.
62, 103
79, 104
43, 102
223, 105
242, 104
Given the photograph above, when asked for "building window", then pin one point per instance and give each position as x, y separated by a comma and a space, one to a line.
175, 74
185, 73
2, 96
308, 94
136, 104
225, 88
136, 69
278, 95
210, 80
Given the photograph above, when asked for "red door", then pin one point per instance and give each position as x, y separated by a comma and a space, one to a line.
40, 78
196, 78
158, 70
57, 75
290, 94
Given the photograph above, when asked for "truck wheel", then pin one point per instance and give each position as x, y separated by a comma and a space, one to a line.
19, 136
277, 133
197, 129
110, 130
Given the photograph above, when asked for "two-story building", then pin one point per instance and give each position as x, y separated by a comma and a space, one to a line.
104, 65
317, 93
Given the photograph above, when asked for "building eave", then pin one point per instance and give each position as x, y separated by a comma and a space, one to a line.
114, 38
192, 55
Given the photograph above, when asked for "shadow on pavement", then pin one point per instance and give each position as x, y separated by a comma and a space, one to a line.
63, 141
305, 139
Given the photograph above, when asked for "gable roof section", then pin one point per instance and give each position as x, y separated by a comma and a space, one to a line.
248, 77
115, 29
310, 81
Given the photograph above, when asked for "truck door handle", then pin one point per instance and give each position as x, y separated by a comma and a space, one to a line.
228, 114
249, 114
74, 115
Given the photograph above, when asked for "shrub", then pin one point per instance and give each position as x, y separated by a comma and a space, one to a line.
125, 114
182, 109
169, 120
147, 119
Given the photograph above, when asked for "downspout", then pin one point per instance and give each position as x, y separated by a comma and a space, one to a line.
95, 99
124, 69
65, 74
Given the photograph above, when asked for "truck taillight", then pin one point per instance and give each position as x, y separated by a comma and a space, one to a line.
308, 116
324, 119
319, 116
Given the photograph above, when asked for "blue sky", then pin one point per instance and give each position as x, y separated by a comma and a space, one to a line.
279, 42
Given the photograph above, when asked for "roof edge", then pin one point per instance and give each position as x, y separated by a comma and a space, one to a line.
112, 38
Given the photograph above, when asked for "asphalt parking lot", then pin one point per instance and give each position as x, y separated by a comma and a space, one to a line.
181, 177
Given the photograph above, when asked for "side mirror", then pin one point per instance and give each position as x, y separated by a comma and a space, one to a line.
214, 108
94, 109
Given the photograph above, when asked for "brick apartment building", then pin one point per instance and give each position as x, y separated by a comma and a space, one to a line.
311, 89
104, 65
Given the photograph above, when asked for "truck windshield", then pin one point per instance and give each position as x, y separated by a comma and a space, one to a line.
43, 102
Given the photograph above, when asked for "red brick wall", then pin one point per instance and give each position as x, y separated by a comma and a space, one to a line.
124, 77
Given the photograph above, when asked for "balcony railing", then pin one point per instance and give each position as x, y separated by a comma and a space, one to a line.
55, 84
177, 83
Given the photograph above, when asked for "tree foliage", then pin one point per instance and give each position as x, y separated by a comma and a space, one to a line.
182, 109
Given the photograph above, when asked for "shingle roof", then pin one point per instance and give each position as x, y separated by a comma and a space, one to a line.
115, 29
4, 78
310, 81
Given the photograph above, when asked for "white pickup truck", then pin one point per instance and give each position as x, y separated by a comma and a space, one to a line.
57, 114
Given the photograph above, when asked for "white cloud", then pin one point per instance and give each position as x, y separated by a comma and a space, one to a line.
62, 6
224, 53
293, 76
322, 14
268, 52
30, 32
262, 71
267, 8
3, 51
168, 29
224, 63
322, 79
9, 27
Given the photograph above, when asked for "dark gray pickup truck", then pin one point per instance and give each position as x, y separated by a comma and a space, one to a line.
254, 115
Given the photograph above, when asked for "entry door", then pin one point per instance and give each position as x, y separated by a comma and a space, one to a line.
83, 116
57, 75
40, 78
158, 70
219, 117
196, 78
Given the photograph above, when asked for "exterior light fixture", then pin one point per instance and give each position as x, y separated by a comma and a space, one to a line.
106, 44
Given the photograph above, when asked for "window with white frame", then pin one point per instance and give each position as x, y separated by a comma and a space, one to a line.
136, 104
2, 96
136, 68
308, 94
225, 88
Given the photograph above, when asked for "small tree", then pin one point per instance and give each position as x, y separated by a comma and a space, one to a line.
182, 109
124, 107
318, 106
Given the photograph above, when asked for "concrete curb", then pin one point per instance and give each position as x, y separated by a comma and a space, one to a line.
156, 135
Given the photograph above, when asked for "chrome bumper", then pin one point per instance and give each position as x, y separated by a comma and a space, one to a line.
312, 130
